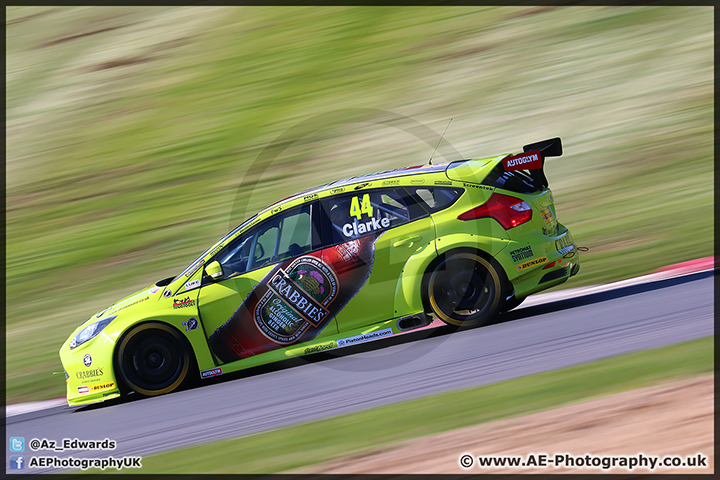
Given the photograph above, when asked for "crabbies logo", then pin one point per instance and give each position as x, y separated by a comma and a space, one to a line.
87, 360
296, 299
527, 160
185, 302
87, 374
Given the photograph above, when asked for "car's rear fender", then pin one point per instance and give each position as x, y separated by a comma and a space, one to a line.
408, 294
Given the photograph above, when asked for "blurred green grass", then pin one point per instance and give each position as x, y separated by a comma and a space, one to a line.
130, 129
376, 429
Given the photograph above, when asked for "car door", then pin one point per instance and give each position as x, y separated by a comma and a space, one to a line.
227, 305
386, 227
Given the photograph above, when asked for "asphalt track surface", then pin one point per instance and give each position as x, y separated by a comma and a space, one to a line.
524, 341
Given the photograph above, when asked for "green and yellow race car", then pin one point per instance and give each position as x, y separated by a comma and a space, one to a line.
344, 263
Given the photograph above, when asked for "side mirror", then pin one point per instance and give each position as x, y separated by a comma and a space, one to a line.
214, 269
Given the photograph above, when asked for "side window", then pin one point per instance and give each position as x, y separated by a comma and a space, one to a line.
280, 237
434, 199
264, 247
295, 235
363, 213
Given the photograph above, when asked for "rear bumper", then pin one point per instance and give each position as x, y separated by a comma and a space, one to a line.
553, 260
575, 270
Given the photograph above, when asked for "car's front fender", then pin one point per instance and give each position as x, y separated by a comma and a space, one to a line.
98, 381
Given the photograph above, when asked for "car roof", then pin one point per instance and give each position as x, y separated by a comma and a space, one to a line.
368, 177
312, 193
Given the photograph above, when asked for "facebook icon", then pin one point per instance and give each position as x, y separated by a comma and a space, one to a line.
17, 462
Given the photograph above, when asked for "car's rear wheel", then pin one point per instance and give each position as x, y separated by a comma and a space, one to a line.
464, 289
153, 359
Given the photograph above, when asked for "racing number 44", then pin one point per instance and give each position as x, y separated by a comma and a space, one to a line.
357, 208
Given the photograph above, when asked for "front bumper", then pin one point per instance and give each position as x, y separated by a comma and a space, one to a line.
89, 371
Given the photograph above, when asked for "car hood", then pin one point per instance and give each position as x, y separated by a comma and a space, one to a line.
128, 303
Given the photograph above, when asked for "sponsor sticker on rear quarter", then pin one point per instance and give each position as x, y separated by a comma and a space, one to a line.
531, 263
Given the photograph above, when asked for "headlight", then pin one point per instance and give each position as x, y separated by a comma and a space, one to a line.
90, 331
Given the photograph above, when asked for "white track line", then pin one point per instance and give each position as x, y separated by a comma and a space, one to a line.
542, 298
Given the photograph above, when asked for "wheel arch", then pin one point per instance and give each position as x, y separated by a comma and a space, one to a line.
148, 324
504, 281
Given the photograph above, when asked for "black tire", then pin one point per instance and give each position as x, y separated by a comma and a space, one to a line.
153, 359
465, 289
512, 303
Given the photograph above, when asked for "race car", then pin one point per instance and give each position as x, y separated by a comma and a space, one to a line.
344, 263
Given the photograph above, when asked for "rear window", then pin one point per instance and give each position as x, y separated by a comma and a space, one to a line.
515, 181
434, 199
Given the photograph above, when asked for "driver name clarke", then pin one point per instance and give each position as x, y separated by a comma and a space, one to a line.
355, 228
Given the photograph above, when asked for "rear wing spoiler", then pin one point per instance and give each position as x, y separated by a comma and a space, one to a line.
533, 159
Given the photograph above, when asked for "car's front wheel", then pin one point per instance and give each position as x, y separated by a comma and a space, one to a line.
464, 289
153, 359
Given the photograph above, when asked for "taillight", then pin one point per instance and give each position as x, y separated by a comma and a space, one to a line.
507, 210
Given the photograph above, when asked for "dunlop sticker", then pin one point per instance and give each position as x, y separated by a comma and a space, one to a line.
103, 386
531, 263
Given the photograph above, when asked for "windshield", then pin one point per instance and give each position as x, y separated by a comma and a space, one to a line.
193, 266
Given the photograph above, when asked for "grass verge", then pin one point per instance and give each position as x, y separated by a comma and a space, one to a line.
311, 443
